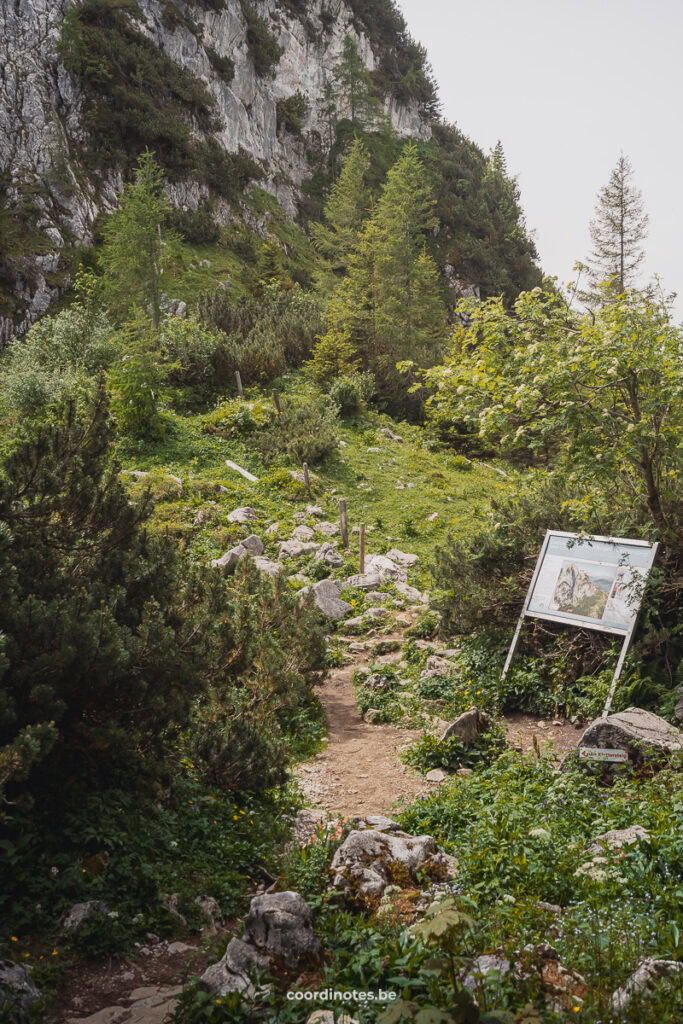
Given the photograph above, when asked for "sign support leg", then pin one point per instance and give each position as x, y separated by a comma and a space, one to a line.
617, 672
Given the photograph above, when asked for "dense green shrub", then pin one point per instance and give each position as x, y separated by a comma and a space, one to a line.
264, 49
305, 432
135, 95
190, 352
428, 752
239, 417
352, 392
227, 173
223, 66
195, 226
291, 113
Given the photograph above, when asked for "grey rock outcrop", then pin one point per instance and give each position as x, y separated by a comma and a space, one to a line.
296, 548
437, 668
253, 544
234, 971
364, 581
18, 991
280, 924
411, 593
643, 734
367, 860
79, 912
468, 726
302, 533
648, 976
245, 514
328, 554
402, 557
385, 568
228, 561
268, 566
42, 118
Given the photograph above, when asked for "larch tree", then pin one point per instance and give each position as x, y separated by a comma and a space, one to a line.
617, 232
345, 210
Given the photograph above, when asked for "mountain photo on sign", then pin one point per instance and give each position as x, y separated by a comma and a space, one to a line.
583, 588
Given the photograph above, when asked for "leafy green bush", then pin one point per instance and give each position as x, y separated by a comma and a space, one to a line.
428, 752
352, 392
239, 416
425, 626
58, 354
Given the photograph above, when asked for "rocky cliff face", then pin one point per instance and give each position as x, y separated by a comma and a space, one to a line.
41, 121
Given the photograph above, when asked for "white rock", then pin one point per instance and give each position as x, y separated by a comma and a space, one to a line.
328, 554
402, 557
385, 568
411, 593
327, 529
315, 510
296, 548
253, 543
268, 566
302, 533
242, 515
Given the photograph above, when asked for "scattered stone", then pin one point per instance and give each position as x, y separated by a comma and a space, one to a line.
302, 533
648, 976
482, 967
300, 517
211, 910
374, 448
315, 510
138, 474
76, 915
227, 562
385, 568
253, 543
616, 838
299, 577
170, 901
376, 597
296, 548
306, 823
380, 823
327, 599
464, 772
469, 726
643, 734
18, 991
272, 529
402, 557
242, 515
437, 667
106, 1016
411, 593
364, 581
329, 556
327, 529
386, 432
436, 775
267, 566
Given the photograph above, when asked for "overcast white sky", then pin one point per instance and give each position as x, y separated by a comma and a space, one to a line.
566, 85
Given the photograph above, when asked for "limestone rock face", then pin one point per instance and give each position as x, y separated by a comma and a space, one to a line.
42, 116
642, 733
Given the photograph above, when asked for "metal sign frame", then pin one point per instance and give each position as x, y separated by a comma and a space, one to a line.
535, 614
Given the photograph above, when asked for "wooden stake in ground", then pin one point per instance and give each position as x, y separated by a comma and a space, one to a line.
362, 549
276, 402
240, 389
307, 479
343, 525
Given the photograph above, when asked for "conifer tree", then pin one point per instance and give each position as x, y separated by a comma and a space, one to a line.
355, 88
345, 211
617, 232
137, 248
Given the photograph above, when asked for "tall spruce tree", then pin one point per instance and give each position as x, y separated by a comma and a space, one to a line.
389, 307
137, 247
345, 210
617, 232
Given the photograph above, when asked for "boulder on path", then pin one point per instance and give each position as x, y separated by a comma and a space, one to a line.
437, 667
363, 581
327, 600
76, 915
385, 568
643, 734
242, 515
296, 548
233, 972
402, 557
468, 726
617, 838
281, 924
369, 860
648, 976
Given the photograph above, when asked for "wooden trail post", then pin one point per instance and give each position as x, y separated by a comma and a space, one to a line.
362, 548
343, 525
307, 479
276, 402
240, 389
